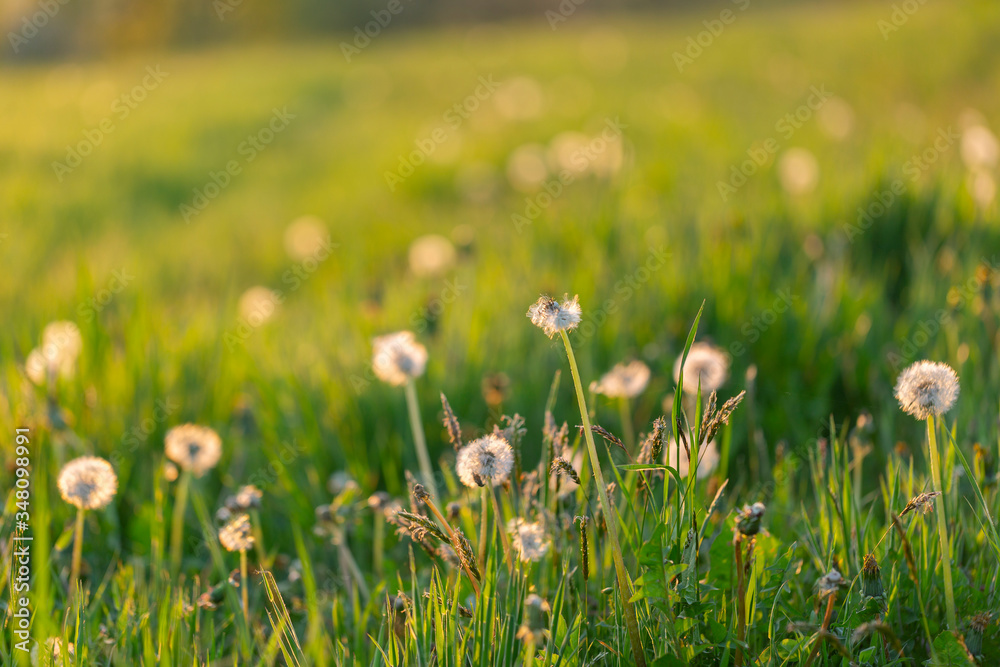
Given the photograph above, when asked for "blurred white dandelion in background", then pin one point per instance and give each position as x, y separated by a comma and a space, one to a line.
258, 305
706, 364
431, 255
397, 357
798, 171
305, 237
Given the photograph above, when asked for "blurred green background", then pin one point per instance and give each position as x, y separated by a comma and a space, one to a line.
105, 243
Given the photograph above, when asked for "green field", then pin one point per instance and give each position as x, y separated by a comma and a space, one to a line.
141, 197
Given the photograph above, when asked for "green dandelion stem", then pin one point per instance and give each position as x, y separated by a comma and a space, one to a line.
74, 576
624, 583
418, 437
177, 522
942, 525
484, 519
244, 585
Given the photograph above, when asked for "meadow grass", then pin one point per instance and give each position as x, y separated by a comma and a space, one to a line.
818, 320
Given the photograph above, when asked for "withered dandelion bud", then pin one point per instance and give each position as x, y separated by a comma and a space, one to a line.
748, 519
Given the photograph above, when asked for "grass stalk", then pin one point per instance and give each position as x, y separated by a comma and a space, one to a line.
628, 432
502, 529
624, 583
942, 523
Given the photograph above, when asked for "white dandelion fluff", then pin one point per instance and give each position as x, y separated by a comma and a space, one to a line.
529, 539
927, 388
258, 304
237, 534
431, 255
708, 459
193, 447
705, 363
624, 380
397, 357
57, 355
552, 317
305, 237
88, 482
487, 460
798, 171
980, 148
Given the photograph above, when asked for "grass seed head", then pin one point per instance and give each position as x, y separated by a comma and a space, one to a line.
561, 466
451, 424
923, 503
581, 522
463, 549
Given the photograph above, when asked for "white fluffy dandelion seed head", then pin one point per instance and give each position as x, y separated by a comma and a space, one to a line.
248, 497
705, 363
88, 482
237, 534
258, 304
552, 317
980, 148
490, 458
431, 255
397, 357
708, 458
305, 237
624, 380
529, 539
927, 388
193, 447
57, 355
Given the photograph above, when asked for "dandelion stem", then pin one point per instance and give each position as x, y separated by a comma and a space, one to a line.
177, 522
741, 613
244, 585
484, 519
74, 575
624, 584
935, 459
418, 438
